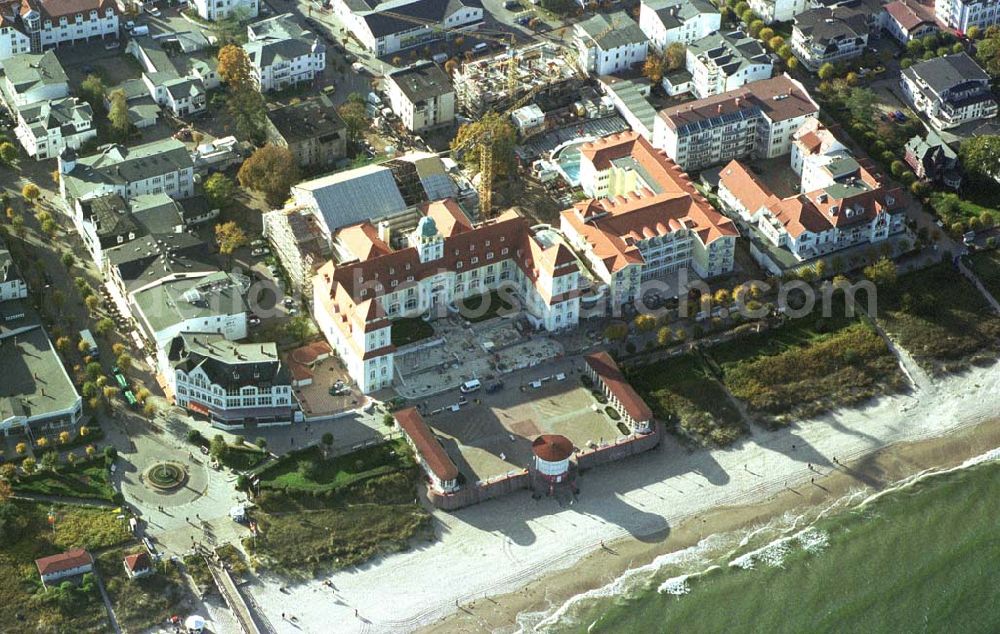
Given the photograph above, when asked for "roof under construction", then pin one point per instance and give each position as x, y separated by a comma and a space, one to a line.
483, 84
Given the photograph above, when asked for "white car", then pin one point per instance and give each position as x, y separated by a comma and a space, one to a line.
260, 251
152, 10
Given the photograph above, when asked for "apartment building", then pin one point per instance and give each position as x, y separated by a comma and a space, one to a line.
421, 96
283, 54
225, 9
387, 27
13, 37
830, 35
645, 219
771, 11
233, 384
45, 128
949, 90
609, 44
756, 120
843, 203
47, 24
33, 77
667, 21
963, 14
311, 130
152, 168
444, 260
725, 61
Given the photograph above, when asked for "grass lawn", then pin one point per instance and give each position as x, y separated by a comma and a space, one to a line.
306, 470
147, 601
472, 308
233, 558
84, 480
941, 319
301, 535
682, 390
986, 265
27, 536
243, 458
952, 209
197, 569
407, 330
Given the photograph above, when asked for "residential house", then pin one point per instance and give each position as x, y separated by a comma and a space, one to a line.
756, 120
667, 21
143, 111
33, 77
12, 284
930, 158
311, 130
725, 61
644, 219
158, 167
183, 95
609, 44
49, 24
907, 20
387, 27
443, 261
949, 90
771, 11
421, 96
963, 14
137, 565
283, 54
68, 564
233, 384
826, 35
216, 10
45, 128
843, 204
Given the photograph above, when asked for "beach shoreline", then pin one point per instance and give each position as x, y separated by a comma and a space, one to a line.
891, 465
514, 554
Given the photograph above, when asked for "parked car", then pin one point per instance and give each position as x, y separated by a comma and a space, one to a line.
152, 10
260, 251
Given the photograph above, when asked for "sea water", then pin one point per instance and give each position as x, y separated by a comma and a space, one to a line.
922, 556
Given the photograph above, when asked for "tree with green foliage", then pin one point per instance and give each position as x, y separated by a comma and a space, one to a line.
974, 33
675, 56
219, 190
765, 34
826, 71
93, 91
861, 103
980, 156
30, 193
8, 153
882, 272
354, 113
218, 448
118, 115
49, 461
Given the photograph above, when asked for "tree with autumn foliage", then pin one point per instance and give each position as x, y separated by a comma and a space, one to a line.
271, 170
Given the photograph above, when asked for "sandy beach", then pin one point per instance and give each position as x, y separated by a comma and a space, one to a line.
498, 559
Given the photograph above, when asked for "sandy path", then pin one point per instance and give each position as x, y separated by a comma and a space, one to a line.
498, 547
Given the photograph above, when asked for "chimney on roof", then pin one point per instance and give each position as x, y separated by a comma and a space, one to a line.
719, 108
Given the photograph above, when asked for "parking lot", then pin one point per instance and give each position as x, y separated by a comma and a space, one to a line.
492, 433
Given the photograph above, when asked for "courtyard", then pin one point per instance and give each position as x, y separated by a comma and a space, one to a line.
490, 434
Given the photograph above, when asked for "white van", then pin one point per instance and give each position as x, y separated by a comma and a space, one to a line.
471, 386
479, 48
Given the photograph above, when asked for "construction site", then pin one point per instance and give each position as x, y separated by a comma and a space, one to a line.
544, 70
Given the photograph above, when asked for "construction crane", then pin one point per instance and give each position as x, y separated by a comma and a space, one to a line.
486, 165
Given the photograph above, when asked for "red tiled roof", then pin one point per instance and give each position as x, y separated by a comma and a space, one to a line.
552, 447
779, 98
448, 216
137, 562
437, 459
910, 15
612, 226
55, 9
63, 561
745, 186
612, 376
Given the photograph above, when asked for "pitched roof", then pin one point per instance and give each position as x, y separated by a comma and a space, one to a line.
428, 446
612, 31
608, 371
227, 363
54, 9
63, 561
778, 98
353, 196
947, 73
669, 202
137, 562
422, 81
910, 15
552, 447
383, 24
745, 186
